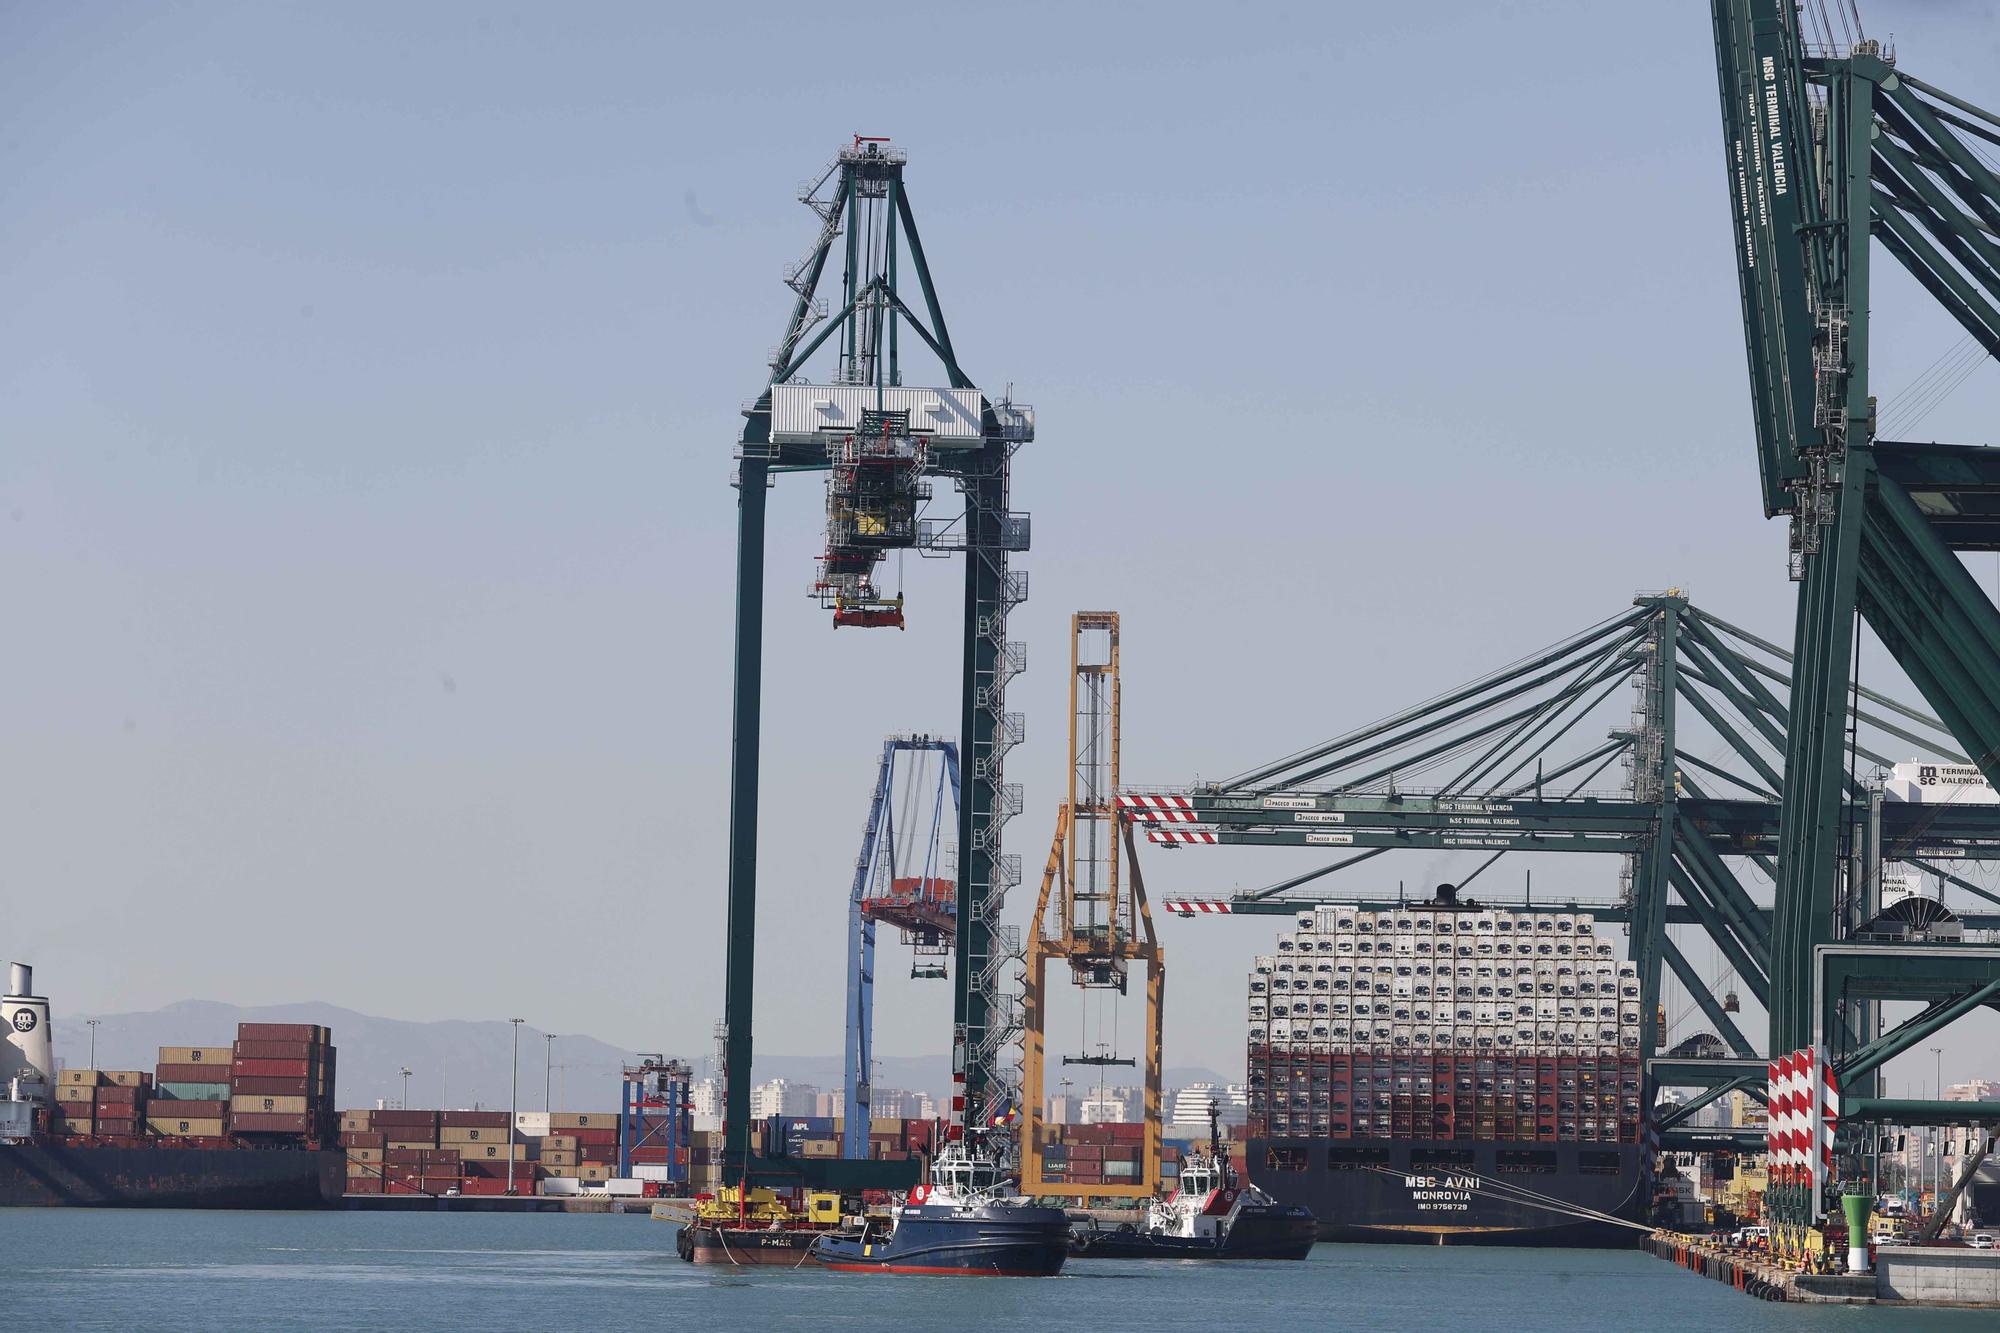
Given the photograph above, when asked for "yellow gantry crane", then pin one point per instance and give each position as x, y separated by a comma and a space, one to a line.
1092, 913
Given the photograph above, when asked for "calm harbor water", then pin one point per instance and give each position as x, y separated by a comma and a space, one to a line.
84, 1269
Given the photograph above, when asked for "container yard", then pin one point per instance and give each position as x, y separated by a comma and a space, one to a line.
1689, 1062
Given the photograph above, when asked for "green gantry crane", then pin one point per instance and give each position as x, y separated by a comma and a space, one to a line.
1830, 150
879, 443
1521, 760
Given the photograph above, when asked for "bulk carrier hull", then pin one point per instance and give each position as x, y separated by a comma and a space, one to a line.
52, 1175
1387, 1197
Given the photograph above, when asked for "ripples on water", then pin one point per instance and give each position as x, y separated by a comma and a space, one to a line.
66, 1269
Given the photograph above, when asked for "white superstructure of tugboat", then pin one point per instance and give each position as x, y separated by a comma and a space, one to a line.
1210, 1215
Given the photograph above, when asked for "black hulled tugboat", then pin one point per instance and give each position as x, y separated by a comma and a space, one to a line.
1210, 1215
964, 1222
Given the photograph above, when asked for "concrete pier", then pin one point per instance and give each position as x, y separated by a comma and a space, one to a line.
1937, 1276
495, 1203
1922, 1275
1745, 1270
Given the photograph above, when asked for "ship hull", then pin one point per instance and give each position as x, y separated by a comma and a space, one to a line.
745, 1247
983, 1242
1255, 1233
1399, 1197
39, 1175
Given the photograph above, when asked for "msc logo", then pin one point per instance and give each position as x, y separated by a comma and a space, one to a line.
1927, 775
24, 1020
270, 1104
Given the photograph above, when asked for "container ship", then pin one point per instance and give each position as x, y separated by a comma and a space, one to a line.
1447, 1073
249, 1125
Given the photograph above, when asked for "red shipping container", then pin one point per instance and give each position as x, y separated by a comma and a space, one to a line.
364, 1184
474, 1119
270, 1068
264, 1123
521, 1184
217, 1073
187, 1110
440, 1155
649, 1153
275, 1050
120, 1096
282, 1032
278, 1087
584, 1136
383, 1119
1127, 1133
404, 1156
363, 1140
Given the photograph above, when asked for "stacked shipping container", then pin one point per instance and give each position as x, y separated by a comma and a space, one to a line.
433, 1152
281, 1079
1474, 1024
190, 1094
273, 1088
102, 1103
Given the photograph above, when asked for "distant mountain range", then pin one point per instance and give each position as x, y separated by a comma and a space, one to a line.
462, 1064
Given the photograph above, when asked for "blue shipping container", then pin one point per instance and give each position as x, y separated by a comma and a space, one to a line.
191, 1092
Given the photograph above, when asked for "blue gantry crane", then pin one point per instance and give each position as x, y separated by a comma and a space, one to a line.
905, 877
656, 1112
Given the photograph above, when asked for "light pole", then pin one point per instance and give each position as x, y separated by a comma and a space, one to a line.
406, 1087
548, 1056
1937, 1143
92, 1024
514, 1111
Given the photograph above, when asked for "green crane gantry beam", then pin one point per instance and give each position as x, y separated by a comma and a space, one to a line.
1679, 840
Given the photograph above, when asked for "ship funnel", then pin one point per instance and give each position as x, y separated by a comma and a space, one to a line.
27, 1058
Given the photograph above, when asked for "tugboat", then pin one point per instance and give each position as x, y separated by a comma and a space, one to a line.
1209, 1216
964, 1222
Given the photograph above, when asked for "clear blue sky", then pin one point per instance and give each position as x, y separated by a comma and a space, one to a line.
369, 377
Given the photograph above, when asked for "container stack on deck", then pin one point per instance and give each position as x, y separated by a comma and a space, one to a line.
272, 1089
281, 1085
190, 1094
1447, 1025
1393, 1049
103, 1103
